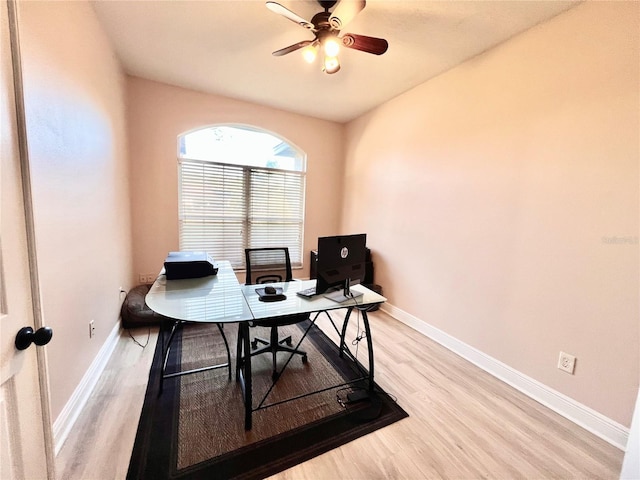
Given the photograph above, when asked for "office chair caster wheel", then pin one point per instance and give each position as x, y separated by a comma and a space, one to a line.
254, 344
289, 342
305, 359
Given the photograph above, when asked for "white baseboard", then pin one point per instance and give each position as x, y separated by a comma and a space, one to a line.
63, 424
596, 423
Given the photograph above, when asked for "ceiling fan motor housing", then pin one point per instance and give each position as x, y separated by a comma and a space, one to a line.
321, 21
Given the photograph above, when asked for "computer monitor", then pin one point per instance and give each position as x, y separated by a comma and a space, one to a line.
341, 262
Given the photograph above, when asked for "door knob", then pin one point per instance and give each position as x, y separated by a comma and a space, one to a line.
26, 336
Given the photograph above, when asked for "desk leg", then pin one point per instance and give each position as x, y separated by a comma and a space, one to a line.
246, 373
344, 330
367, 330
226, 344
369, 348
165, 355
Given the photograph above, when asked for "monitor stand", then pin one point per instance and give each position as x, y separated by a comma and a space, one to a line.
343, 294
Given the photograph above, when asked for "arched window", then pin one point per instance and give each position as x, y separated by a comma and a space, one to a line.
240, 187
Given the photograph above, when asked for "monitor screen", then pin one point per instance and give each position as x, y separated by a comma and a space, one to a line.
341, 261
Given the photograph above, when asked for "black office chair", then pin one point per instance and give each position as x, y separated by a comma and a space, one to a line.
270, 265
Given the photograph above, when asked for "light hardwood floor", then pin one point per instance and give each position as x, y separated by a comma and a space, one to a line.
463, 423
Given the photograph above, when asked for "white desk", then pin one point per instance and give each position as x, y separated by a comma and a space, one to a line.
221, 299
213, 299
295, 304
216, 298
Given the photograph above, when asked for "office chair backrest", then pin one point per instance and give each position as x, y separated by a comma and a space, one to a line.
268, 265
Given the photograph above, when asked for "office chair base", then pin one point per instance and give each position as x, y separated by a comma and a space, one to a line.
275, 346
256, 340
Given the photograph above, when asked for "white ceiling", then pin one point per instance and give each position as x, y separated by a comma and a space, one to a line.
224, 47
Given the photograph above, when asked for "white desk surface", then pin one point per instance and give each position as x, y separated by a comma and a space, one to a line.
215, 298
296, 304
222, 299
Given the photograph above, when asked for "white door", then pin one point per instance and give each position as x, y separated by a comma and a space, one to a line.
25, 438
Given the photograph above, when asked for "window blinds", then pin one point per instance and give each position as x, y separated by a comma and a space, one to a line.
227, 208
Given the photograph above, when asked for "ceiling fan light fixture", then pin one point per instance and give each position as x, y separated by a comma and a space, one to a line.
331, 47
310, 52
331, 64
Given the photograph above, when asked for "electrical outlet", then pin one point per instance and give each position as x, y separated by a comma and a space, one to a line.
92, 329
567, 363
142, 278
150, 278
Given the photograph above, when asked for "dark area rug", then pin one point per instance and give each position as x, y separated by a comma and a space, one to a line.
195, 429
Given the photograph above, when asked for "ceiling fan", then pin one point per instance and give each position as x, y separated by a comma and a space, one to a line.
326, 27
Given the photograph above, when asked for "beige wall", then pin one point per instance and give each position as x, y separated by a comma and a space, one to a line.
74, 98
501, 202
158, 113
500, 199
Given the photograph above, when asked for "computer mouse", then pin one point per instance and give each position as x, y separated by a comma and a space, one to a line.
269, 290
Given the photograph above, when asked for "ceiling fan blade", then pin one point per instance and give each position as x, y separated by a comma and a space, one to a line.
285, 12
291, 48
345, 12
374, 45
